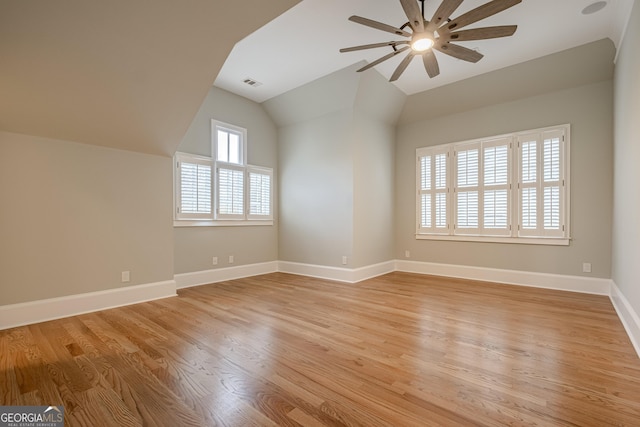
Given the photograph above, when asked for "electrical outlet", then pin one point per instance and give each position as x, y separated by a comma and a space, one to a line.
344, 260
231, 259
214, 260
407, 254
126, 276
586, 267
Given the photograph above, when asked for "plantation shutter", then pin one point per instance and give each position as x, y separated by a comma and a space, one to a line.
193, 189
230, 192
552, 183
433, 191
495, 166
425, 192
260, 193
467, 191
541, 185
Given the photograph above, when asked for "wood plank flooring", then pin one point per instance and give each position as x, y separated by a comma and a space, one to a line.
279, 349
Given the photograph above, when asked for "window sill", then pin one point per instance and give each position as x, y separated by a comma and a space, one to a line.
221, 223
551, 241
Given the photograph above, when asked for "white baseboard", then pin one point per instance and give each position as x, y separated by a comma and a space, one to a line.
187, 280
348, 275
588, 285
627, 315
56, 308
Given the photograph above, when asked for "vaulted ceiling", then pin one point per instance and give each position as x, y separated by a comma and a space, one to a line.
132, 74
117, 73
303, 44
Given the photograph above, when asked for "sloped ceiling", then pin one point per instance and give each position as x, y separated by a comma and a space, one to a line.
118, 73
303, 44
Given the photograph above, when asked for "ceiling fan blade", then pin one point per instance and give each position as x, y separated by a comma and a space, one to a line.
382, 59
378, 25
459, 52
403, 66
483, 33
372, 46
447, 7
412, 10
430, 63
484, 11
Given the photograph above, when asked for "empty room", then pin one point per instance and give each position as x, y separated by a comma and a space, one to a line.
320, 213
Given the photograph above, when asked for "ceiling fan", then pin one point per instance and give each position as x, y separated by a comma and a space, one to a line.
424, 36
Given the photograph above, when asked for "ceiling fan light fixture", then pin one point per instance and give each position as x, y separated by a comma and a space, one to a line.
421, 43
425, 36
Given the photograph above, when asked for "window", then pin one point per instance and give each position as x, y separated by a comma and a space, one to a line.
482, 188
228, 142
433, 184
511, 188
260, 193
542, 184
193, 189
242, 194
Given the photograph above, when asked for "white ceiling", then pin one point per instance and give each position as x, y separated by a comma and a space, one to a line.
303, 44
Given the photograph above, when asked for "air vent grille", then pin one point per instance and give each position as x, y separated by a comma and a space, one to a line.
252, 82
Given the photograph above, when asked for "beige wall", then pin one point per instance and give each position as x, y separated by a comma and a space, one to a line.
316, 190
118, 73
336, 144
626, 218
376, 111
373, 183
75, 216
195, 247
587, 108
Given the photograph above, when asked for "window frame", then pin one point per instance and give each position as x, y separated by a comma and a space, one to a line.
512, 234
217, 125
433, 191
180, 159
259, 170
218, 203
246, 218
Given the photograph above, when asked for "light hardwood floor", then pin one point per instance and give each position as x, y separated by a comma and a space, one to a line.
278, 349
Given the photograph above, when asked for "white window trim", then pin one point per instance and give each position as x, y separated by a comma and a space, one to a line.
221, 223
214, 220
514, 193
539, 185
179, 159
262, 171
215, 125
433, 229
232, 167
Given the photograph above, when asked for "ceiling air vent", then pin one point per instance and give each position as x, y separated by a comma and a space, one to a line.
251, 82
